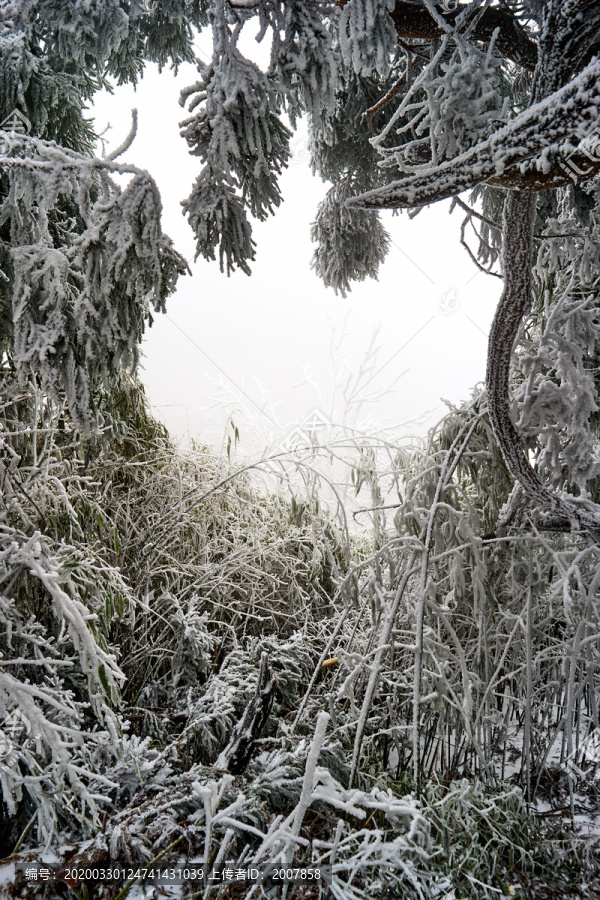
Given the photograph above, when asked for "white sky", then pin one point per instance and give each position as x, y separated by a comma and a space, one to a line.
271, 348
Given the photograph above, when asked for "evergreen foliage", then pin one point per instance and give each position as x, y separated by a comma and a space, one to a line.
430, 682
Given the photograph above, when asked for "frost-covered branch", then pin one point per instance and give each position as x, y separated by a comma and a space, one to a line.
81, 275
544, 132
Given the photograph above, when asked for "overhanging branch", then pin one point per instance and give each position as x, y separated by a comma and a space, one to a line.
517, 156
572, 169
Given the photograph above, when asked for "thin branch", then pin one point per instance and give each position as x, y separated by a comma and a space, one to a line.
384, 101
470, 252
456, 201
367, 509
128, 140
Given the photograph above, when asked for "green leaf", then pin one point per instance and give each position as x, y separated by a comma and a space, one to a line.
104, 681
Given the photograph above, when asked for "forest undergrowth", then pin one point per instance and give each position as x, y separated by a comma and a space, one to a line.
209, 659
202, 661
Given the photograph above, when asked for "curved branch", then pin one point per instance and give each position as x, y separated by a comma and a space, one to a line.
128, 140
519, 217
384, 101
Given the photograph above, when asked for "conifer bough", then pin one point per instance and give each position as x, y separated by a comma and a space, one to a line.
133, 665
409, 103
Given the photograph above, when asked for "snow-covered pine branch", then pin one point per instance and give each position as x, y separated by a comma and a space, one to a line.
82, 258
